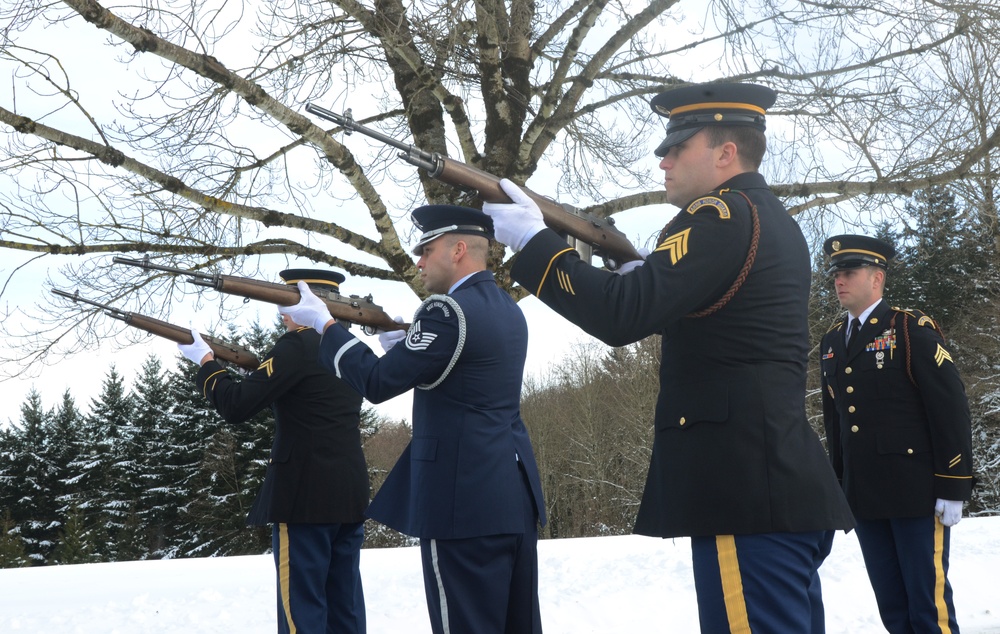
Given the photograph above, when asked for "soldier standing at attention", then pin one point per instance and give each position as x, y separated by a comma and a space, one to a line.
899, 436
734, 465
316, 488
467, 485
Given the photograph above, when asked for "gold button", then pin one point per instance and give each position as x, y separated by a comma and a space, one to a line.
854, 428
850, 389
848, 370
909, 451
851, 409
683, 420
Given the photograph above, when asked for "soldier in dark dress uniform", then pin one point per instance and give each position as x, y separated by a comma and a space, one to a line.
316, 488
734, 465
467, 484
899, 436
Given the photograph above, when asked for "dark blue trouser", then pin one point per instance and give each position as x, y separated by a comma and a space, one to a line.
319, 578
907, 563
484, 585
760, 584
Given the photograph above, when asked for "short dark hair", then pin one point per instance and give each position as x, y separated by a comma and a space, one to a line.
751, 142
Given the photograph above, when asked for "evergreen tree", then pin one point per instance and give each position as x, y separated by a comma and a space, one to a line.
34, 504
107, 465
189, 422
74, 546
155, 506
943, 259
65, 428
12, 551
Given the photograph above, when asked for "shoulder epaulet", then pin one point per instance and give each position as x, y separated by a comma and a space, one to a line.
712, 202
922, 318
838, 324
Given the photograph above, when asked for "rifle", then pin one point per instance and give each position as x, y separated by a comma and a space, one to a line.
353, 309
223, 350
596, 234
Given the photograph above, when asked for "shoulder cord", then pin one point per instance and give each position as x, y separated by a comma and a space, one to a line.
906, 337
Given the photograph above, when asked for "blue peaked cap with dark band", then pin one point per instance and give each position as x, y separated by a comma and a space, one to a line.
437, 220
850, 252
691, 108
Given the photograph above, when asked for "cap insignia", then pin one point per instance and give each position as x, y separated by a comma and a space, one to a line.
836, 245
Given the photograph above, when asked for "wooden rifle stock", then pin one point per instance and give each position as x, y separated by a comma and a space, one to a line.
224, 350
607, 241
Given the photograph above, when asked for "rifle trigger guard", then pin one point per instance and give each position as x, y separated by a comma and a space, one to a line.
369, 330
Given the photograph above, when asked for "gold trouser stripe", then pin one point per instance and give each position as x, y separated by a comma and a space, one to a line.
942, 606
732, 585
283, 574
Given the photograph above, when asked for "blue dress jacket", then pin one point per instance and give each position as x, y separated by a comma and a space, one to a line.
464, 358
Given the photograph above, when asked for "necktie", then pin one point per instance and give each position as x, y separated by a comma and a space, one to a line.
853, 332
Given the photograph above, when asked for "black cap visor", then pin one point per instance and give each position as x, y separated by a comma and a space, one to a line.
675, 137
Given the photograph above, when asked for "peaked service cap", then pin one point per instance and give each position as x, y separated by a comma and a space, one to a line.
851, 252
691, 108
437, 220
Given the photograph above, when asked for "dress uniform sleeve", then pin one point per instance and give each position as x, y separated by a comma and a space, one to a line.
239, 400
831, 419
422, 360
947, 408
692, 267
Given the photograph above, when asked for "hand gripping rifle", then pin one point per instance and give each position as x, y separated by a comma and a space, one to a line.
223, 350
589, 232
357, 310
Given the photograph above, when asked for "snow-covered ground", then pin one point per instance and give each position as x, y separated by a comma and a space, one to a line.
608, 584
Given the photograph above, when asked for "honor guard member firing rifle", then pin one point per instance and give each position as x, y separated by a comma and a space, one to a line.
734, 465
316, 488
467, 484
898, 431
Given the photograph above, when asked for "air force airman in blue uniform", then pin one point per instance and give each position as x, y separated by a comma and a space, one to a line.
467, 484
899, 435
315, 490
735, 464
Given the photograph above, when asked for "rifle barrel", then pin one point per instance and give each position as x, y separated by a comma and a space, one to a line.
607, 241
223, 350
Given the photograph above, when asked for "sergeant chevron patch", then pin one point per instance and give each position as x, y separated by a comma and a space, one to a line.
942, 355
267, 365
676, 245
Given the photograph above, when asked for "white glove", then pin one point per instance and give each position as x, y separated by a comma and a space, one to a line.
632, 265
196, 350
948, 511
517, 222
310, 311
390, 338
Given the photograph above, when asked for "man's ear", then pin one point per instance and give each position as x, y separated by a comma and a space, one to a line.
728, 153
459, 250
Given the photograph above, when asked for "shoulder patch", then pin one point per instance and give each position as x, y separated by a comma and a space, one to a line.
711, 202
922, 318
